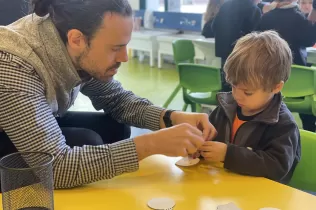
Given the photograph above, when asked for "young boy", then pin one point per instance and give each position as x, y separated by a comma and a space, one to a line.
257, 135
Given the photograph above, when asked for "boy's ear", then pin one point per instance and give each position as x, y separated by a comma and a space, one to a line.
278, 87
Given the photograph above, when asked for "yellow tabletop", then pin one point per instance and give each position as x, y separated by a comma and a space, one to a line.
200, 187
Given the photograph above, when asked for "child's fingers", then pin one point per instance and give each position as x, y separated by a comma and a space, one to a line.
207, 144
205, 148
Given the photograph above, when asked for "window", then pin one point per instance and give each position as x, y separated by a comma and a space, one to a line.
193, 6
188, 6
161, 6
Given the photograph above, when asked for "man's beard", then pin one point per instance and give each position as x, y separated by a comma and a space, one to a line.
86, 73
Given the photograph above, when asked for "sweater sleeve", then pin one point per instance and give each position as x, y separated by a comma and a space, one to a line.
29, 123
123, 105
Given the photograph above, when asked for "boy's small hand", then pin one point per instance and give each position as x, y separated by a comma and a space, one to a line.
214, 151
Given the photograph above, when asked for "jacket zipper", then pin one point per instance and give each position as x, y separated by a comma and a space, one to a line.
234, 140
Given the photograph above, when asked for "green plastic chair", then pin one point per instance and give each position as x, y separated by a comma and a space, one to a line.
304, 176
300, 90
183, 52
200, 84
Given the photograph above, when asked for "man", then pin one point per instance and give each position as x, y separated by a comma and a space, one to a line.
77, 45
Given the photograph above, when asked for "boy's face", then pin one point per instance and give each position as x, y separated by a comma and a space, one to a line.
253, 101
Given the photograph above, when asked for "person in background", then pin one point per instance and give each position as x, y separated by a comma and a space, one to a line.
306, 6
211, 11
299, 32
235, 19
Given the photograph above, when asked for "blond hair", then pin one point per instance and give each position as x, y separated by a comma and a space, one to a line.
212, 9
259, 60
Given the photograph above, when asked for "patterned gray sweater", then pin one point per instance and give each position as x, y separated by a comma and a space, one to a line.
38, 82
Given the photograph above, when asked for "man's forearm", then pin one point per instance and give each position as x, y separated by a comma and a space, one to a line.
144, 146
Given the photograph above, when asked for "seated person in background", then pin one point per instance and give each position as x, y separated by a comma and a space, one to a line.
211, 11
306, 6
235, 19
293, 26
257, 134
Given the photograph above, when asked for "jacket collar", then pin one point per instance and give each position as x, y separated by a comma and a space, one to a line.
270, 115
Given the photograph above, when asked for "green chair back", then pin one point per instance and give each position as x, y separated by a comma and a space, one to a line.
183, 51
300, 90
301, 83
199, 78
304, 176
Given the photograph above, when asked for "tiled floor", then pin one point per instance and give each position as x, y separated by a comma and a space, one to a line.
151, 83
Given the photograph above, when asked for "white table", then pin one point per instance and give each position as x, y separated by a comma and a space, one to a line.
165, 45
207, 46
146, 40
311, 55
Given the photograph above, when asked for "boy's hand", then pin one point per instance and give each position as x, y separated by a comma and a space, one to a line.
214, 151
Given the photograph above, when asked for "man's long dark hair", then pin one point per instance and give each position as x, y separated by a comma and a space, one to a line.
84, 15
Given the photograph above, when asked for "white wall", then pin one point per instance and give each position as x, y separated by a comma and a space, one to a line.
134, 4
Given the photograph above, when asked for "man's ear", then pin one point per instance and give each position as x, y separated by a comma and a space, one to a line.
77, 40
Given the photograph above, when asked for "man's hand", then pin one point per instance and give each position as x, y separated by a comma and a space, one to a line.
198, 120
179, 140
214, 151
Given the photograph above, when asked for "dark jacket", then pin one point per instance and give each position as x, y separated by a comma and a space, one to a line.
207, 31
293, 27
12, 10
234, 19
267, 146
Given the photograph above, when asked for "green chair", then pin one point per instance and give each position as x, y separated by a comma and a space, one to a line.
183, 52
200, 84
300, 90
304, 176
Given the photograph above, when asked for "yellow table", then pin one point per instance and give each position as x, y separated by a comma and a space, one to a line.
201, 187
